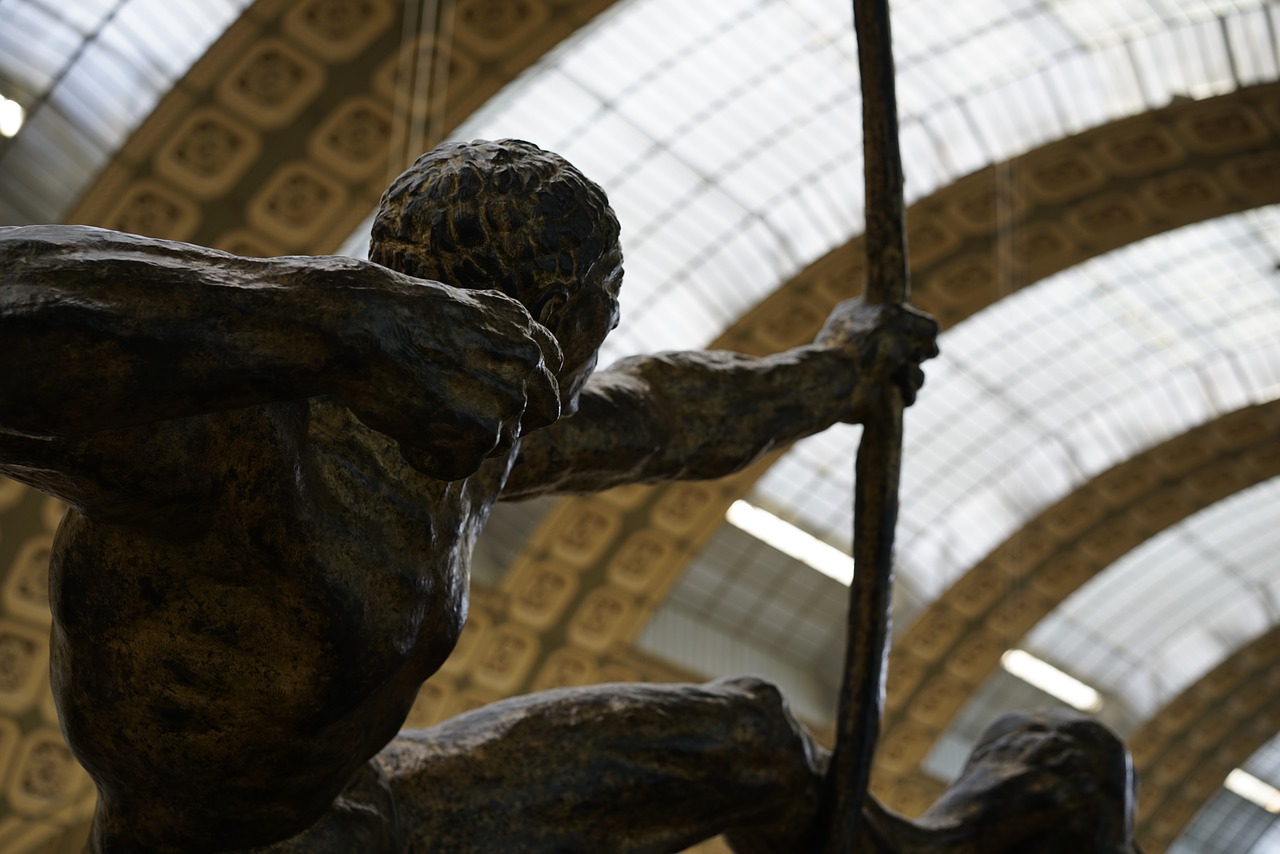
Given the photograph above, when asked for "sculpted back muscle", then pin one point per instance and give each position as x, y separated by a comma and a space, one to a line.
262, 626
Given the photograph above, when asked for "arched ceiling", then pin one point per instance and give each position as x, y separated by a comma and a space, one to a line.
1026, 585
86, 74
1183, 752
277, 140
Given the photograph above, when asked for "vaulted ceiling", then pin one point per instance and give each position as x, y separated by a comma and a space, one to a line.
1091, 471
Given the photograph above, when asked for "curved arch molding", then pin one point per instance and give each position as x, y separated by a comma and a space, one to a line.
956, 643
597, 568
279, 139
1186, 750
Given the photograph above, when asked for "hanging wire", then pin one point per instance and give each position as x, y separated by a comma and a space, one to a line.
444, 62
422, 80
424, 56
404, 90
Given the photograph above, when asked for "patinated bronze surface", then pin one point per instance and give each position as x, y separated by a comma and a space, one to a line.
277, 470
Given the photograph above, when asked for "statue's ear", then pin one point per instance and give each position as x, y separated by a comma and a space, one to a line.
548, 304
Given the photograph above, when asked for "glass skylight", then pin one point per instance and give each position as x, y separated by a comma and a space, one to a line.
1057, 383
87, 73
1166, 613
728, 138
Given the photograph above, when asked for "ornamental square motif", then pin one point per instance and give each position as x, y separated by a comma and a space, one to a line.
151, 209
506, 659
46, 775
337, 29
1110, 219
209, 153
964, 279
354, 140
642, 557
207, 147
1142, 150
929, 239
565, 668
296, 203
297, 199
396, 79
600, 620
1220, 130
17, 662
272, 84
26, 587
492, 27
1067, 176
982, 209
585, 534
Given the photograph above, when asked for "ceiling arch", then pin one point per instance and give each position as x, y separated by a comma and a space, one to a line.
280, 138
1185, 751
956, 643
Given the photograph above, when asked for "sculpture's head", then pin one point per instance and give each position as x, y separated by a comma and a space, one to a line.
509, 216
1052, 781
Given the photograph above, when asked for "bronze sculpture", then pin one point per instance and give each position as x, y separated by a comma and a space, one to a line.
277, 469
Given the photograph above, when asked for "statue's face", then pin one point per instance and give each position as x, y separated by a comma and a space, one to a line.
581, 321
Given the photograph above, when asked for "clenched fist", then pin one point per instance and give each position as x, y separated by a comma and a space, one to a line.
885, 343
454, 376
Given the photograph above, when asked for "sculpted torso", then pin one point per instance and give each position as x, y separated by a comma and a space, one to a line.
294, 611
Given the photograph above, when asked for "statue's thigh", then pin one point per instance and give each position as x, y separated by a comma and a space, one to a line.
616, 768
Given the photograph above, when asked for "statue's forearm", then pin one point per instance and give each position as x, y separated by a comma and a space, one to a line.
685, 416
100, 329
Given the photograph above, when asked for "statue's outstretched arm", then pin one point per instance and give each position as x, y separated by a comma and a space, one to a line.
706, 414
101, 330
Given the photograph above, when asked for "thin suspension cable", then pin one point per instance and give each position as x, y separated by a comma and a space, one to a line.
420, 104
404, 89
444, 62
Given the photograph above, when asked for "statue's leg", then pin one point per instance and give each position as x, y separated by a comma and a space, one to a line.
610, 768
361, 820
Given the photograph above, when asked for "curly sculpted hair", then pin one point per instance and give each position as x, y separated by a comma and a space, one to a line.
505, 215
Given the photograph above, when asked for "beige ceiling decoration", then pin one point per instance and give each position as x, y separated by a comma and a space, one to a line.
1186, 750
279, 140
956, 643
608, 563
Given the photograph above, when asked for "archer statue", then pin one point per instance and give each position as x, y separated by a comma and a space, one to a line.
277, 469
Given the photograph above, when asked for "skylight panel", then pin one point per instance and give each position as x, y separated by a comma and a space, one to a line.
1097, 24
553, 122
959, 146
651, 192
34, 46
57, 161
1262, 367
1251, 47
99, 94
1188, 582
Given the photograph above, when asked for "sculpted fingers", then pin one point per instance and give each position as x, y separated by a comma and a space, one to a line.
543, 392
922, 331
